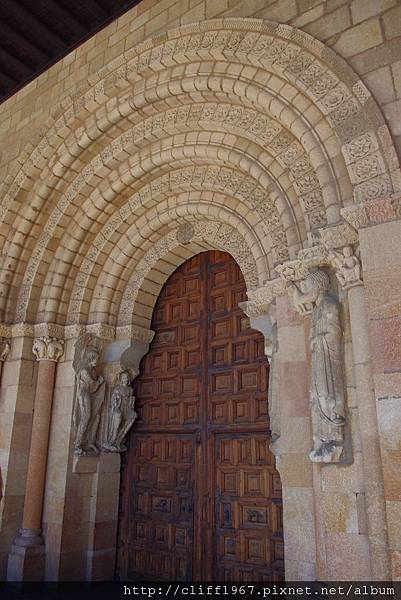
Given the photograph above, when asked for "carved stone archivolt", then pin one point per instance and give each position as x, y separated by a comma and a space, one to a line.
327, 379
89, 395
218, 235
48, 348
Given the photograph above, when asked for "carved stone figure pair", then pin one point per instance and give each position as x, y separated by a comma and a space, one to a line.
89, 398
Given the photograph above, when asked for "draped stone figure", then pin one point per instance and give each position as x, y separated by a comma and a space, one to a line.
121, 415
87, 401
327, 383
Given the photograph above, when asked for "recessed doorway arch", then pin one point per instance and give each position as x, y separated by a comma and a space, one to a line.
201, 498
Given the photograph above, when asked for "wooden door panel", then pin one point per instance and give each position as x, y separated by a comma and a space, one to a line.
201, 497
248, 524
161, 506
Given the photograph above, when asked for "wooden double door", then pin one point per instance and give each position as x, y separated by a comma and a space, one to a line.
201, 498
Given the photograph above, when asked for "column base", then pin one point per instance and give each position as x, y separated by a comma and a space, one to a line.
26, 561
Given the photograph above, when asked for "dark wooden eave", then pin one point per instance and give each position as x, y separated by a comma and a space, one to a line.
34, 34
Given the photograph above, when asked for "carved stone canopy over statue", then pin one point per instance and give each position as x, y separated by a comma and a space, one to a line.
88, 401
121, 415
327, 382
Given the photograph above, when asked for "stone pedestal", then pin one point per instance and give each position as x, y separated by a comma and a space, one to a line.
26, 563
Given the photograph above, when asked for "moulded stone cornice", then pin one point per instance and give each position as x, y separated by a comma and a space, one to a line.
22, 330
356, 216
315, 256
260, 299
337, 236
73, 331
5, 331
106, 332
49, 329
135, 332
53, 330
292, 270
373, 212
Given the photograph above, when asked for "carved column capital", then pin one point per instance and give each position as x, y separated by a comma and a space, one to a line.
307, 260
48, 348
260, 300
4, 349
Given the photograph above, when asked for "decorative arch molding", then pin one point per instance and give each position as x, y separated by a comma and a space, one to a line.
215, 235
294, 55
107, 297
223, 185
283, 61
128, 173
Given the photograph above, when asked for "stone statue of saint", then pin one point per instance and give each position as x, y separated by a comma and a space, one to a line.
122, 414
347, 266
327, 383
87, 405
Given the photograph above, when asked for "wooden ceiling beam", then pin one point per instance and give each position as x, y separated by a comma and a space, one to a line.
92, 8
21, 44
14, 65
34, 34
30, 24
65, 17
7, 82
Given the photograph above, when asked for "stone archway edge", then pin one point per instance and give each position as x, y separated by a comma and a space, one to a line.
316, 256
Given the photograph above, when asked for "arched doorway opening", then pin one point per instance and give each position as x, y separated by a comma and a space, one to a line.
201, 498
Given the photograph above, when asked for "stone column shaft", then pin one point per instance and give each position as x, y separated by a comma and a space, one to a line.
39, 445
369, 434
26, 560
